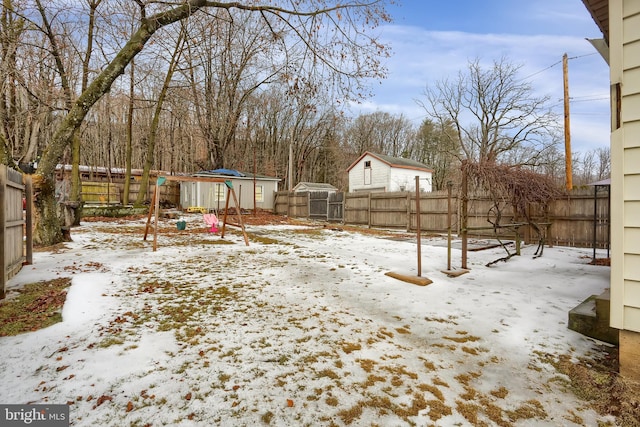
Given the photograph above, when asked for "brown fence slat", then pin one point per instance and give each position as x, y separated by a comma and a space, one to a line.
571, 218
12, 225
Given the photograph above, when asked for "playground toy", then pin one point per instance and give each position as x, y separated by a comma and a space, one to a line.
212, 221
155, 206
192, 209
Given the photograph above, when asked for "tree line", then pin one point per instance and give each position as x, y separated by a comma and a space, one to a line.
189, 85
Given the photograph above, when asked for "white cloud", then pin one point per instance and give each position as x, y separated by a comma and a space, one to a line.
422, 57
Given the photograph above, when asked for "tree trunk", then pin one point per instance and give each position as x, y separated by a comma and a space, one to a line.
151, 142
47, 224
129, 148
47, 230
76, 182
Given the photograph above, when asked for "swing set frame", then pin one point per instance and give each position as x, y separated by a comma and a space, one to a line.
155, 206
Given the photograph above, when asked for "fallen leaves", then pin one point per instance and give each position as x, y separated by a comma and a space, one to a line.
36, 306
102, 399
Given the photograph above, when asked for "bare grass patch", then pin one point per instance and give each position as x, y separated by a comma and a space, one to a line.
34, 306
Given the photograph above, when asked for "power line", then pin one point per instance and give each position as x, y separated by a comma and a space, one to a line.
582, 56
575, 101
541, 71
593, 95
556, 63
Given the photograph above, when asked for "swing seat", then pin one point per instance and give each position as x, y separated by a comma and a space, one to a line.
212, 221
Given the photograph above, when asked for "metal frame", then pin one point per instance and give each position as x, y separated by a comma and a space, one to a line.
155, 206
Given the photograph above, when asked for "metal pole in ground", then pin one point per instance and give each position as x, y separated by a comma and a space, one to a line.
418, 225
449, 185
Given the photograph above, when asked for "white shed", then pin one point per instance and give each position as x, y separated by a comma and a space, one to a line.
314, 187
212, 195
376, 172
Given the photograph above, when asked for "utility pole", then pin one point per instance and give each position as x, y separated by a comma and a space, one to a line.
567, 126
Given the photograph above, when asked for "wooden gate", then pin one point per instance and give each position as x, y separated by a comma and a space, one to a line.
12, 224
335, 207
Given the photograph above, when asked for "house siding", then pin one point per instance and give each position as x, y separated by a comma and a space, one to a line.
385, 177
380, 173
203, 194
625, 151
407, 178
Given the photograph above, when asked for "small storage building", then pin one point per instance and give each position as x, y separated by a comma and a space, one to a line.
314, 187
379, 173
252, 190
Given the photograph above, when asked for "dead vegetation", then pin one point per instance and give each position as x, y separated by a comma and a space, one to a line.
34, 306
513, 190
597, 381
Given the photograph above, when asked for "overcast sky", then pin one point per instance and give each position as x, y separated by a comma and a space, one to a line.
434, 40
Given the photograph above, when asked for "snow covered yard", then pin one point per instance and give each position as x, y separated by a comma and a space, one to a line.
302, 327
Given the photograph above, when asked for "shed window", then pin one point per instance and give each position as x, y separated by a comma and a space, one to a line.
220, 193
259, 193
367, 173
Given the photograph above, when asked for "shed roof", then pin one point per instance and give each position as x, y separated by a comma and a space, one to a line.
314, 186
601, 183
396, 162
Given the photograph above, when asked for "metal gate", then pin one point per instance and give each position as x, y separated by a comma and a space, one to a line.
318, 204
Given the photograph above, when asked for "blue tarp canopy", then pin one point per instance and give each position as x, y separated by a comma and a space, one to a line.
229, 172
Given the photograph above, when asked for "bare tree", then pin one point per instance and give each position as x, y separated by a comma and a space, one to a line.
26, 81
380, 132
270, 132
435, 148
59, 38
592, 165
604, 163
11, 29
494, 114
551, 163
335, 35
151, 140
229, 59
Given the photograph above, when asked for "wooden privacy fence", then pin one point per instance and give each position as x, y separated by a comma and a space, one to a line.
15, 225
101, 193
573, 219
112, 193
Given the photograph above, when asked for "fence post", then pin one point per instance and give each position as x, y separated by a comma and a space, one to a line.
369, 210
408, 211
465, 198
449, 186
28, 191
3, 236
418, 233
